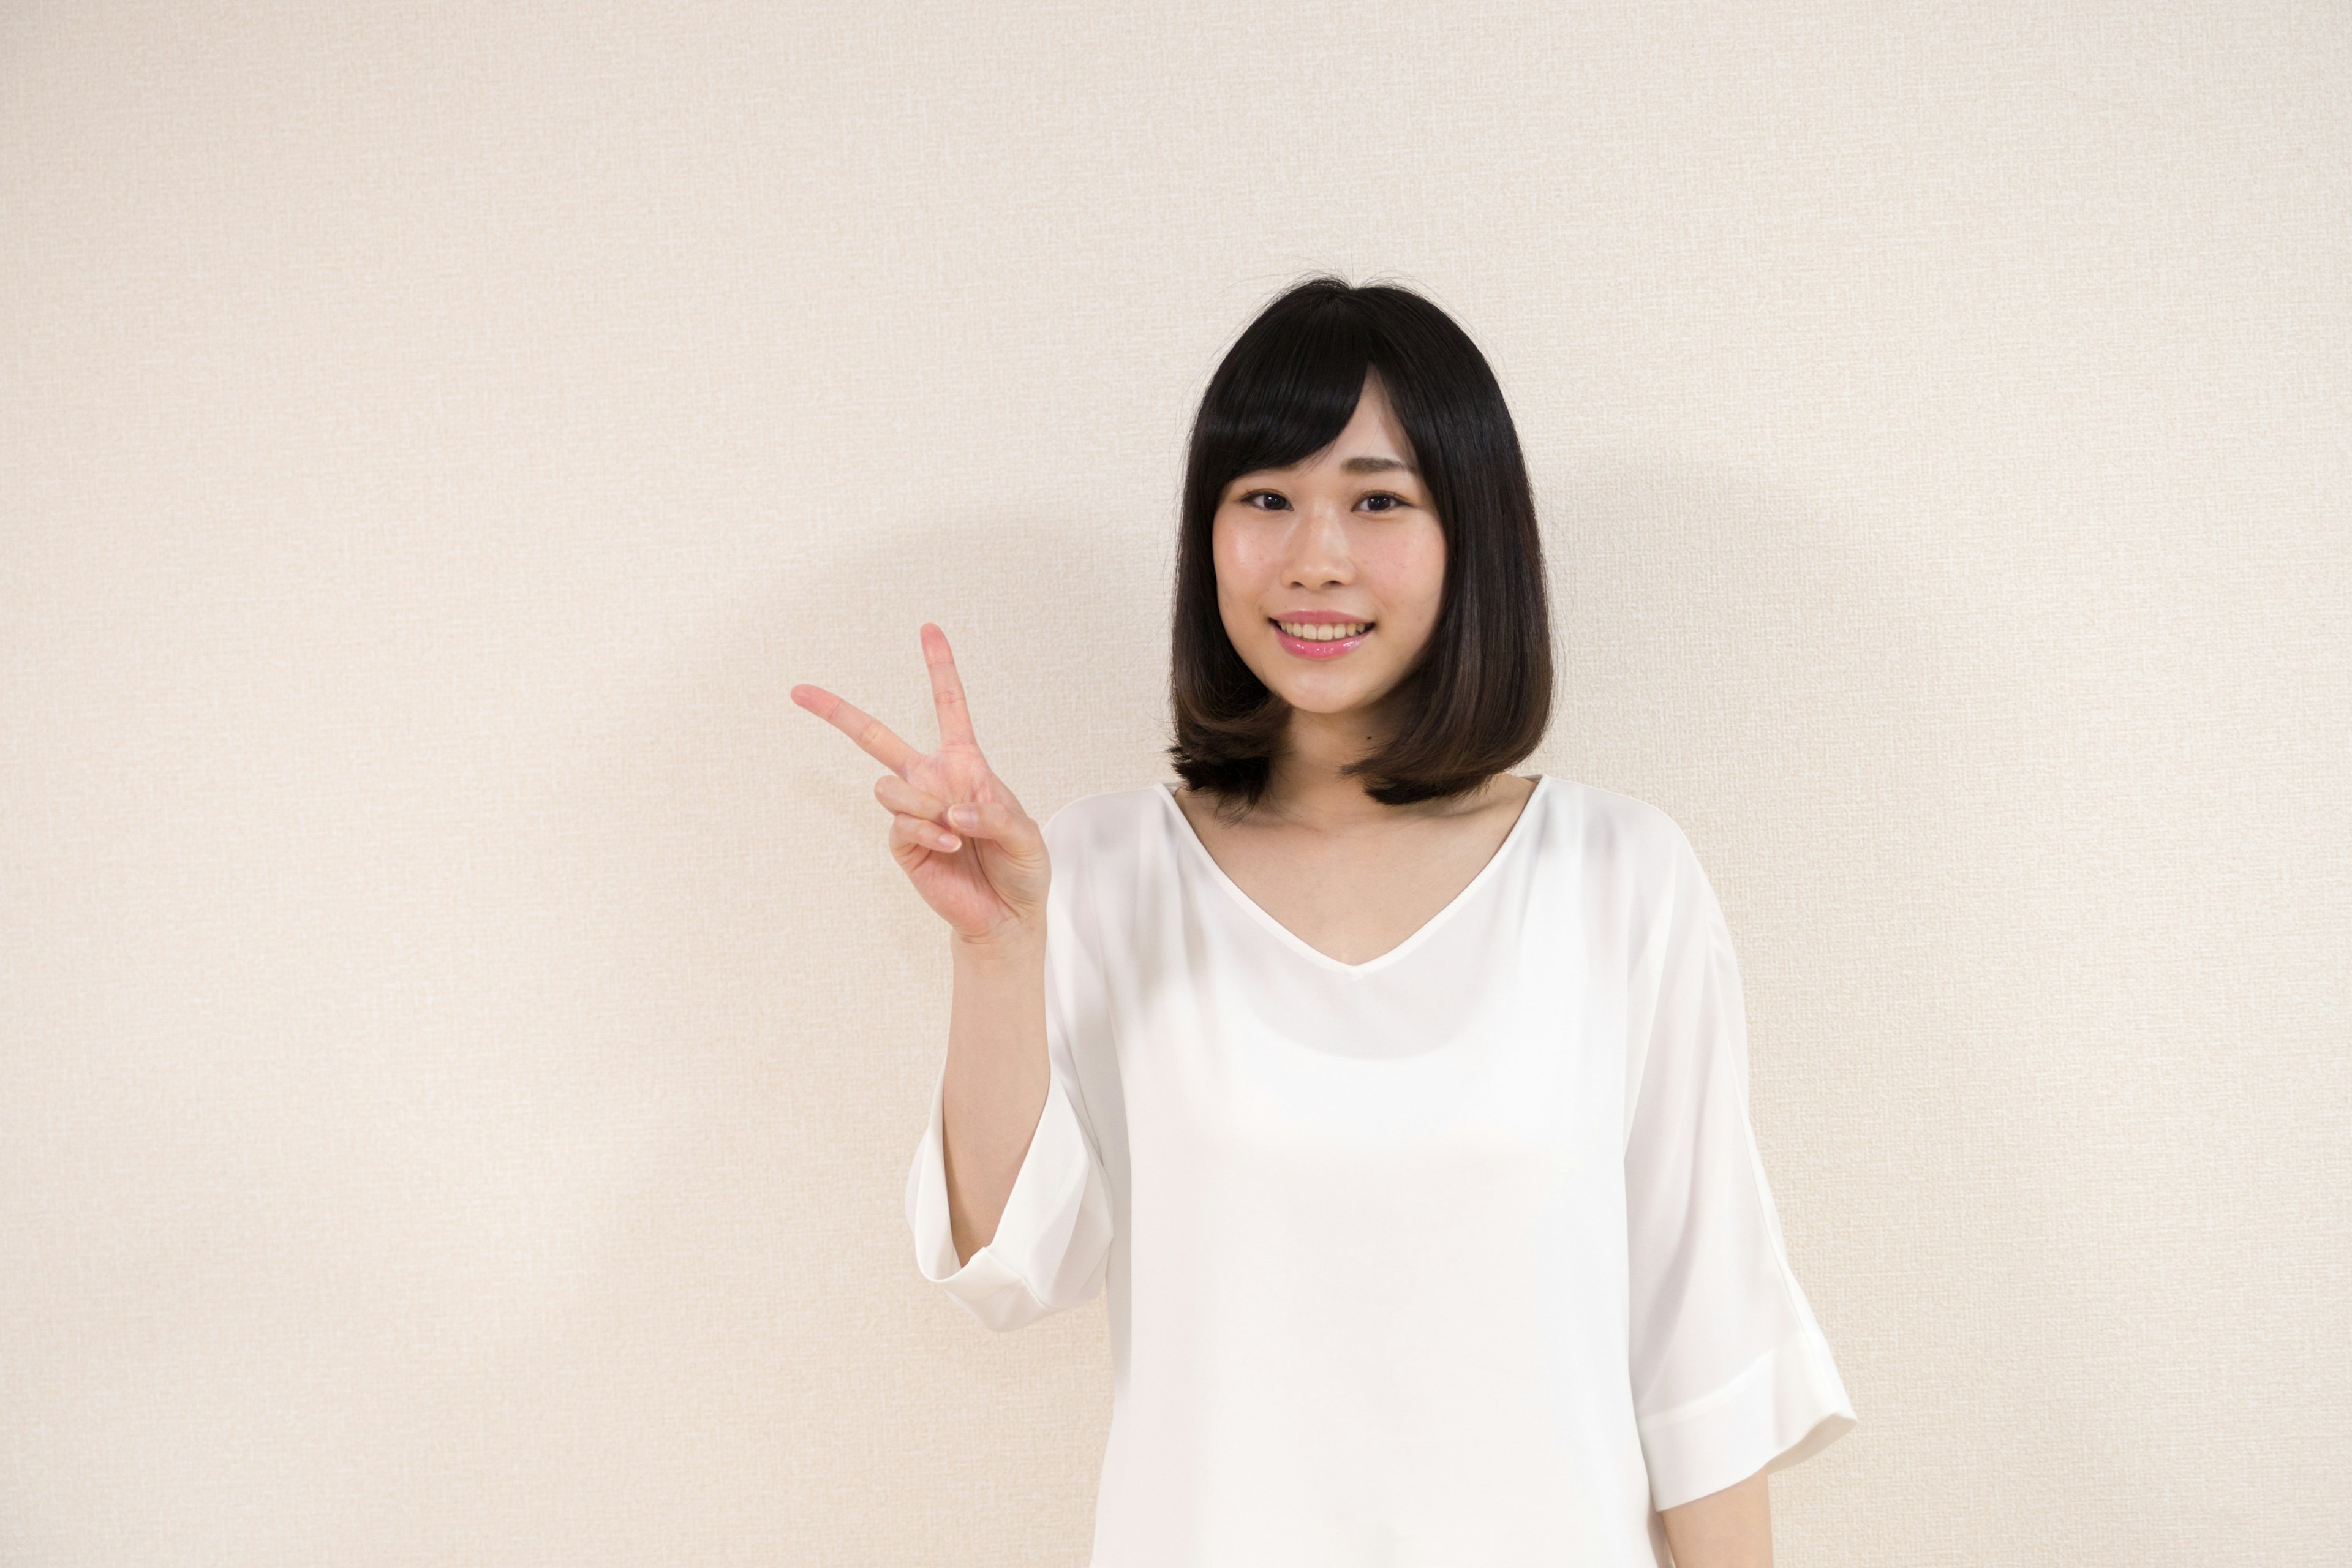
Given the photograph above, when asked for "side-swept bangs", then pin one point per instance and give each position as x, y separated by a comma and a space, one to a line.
1479, 698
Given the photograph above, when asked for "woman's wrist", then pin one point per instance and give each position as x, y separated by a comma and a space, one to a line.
1018, 945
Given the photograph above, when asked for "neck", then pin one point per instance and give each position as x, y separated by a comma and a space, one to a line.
1306, 785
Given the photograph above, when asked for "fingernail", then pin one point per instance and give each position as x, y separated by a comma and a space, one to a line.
949, 841
964, 815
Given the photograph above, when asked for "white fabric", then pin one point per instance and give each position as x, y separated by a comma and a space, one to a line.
1461, 1255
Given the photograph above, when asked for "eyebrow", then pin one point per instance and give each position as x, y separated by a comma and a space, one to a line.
1372, 466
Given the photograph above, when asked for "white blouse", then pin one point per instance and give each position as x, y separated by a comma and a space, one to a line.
1460, 1255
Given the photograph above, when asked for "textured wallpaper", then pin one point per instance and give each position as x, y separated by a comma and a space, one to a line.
462, 1039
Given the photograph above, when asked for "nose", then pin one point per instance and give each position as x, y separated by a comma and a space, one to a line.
1317, 555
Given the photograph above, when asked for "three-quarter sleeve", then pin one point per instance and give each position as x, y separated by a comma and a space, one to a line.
1730, 1373
1052, 1246
1053, 1242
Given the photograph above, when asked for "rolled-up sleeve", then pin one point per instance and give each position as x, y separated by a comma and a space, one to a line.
1730, 1373
1053, 1242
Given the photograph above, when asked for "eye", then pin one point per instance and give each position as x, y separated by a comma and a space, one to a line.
1381, 501
1264, 500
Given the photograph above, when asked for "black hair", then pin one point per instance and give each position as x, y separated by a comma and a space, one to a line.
1480, 694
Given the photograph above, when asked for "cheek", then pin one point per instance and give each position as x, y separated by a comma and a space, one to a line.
1240, 569
1409, 572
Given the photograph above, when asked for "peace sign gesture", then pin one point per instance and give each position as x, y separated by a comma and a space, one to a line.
955, 829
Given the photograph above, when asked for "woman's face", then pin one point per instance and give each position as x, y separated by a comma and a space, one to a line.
1330, 572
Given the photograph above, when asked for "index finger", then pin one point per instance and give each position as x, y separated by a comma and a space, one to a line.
873, 736
947, 688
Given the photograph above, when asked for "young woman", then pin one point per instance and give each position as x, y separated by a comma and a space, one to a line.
1401, 1100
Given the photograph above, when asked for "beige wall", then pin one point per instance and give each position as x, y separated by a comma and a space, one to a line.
461, 1039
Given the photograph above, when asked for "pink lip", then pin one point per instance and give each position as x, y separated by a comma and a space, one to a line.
1336, 648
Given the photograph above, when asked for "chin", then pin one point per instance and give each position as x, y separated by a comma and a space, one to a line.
1326, 697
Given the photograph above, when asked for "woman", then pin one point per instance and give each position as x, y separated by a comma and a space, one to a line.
1401, 1100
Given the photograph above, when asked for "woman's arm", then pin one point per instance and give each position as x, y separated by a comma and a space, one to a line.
1729, 1528
980, 861
1732, 1374
996, 1078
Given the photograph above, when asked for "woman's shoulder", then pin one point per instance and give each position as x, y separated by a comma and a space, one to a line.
1612, 829
1109, 820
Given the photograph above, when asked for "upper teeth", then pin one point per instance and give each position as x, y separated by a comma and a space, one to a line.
1325, 631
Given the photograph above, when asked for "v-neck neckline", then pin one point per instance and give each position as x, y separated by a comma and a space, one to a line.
1308, 950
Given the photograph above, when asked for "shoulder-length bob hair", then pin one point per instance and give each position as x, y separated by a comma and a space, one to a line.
1480, 695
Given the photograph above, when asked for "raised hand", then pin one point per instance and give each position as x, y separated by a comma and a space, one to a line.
956, 831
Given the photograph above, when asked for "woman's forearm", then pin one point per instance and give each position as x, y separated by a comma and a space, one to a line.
997, 1074
1729, 1528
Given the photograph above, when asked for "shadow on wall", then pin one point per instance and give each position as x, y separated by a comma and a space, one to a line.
1719, 641
726, 847
1992, 804
788, 992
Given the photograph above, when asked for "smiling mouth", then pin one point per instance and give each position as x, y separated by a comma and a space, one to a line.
1323, 631
1321, 640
